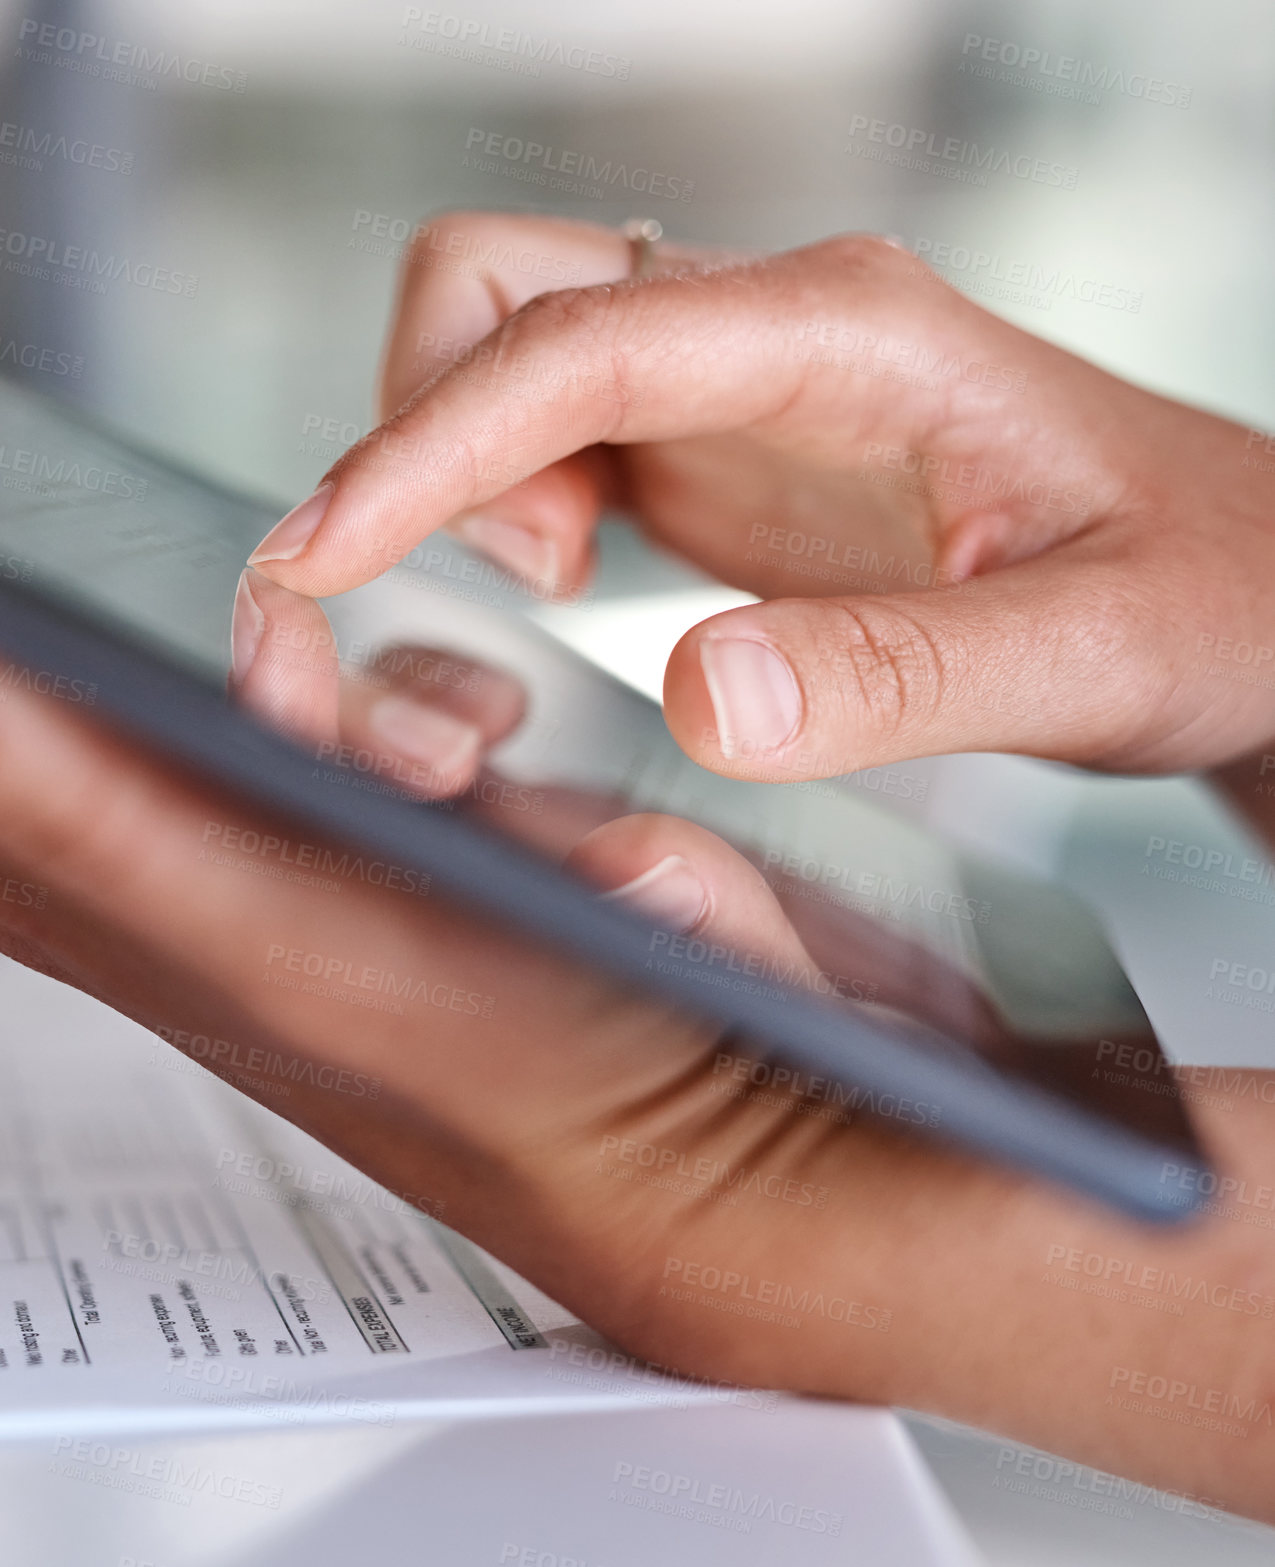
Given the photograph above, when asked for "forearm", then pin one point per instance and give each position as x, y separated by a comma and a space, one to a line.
940, 1284
1147, 1353
1144, 1354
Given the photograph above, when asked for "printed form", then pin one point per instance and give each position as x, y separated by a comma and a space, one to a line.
171, 1255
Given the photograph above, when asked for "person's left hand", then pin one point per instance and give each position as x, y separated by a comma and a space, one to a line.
611, 1150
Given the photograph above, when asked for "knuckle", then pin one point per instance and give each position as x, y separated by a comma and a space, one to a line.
888, 665
575, 342
574, 310
1132, 690
865, 255
1115, 622
889, 277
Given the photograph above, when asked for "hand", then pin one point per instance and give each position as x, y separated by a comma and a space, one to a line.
422, 720
963, 537
531, 1101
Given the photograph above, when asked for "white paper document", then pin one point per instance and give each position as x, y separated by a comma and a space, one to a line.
185, 1279
173, 1256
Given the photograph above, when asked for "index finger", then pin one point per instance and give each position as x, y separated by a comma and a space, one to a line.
663, 358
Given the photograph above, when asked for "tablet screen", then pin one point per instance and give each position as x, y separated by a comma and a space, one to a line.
898, 924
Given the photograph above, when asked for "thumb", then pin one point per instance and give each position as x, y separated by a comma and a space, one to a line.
1046, 657
691, 882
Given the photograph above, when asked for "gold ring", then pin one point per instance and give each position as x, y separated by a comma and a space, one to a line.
642, 235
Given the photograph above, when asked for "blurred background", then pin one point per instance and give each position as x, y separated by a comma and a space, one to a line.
248, 180
215, 280
216, 277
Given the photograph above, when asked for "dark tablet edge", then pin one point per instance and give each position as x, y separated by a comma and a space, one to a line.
184, 721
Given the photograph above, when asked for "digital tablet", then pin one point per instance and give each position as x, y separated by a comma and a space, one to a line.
951, 997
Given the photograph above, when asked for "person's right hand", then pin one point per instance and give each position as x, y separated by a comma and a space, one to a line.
963, 537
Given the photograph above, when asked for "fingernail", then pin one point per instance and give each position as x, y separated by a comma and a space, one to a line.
670, 893
425, 734
288, 538
755, 696
247, 624
528, 554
